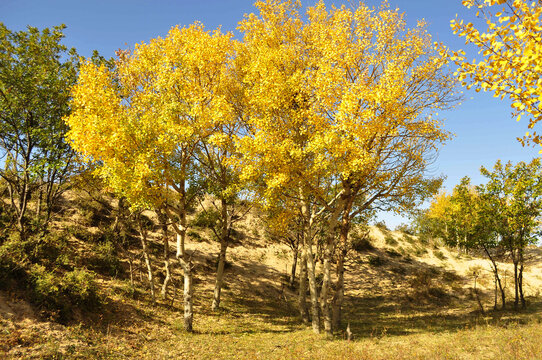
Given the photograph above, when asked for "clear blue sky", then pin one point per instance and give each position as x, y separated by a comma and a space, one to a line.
484, 128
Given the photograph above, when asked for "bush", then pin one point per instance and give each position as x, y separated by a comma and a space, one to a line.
390, 240
93, 213
34, 266
45, 287
81, 233
375, 261
381, 225
399, 270
80, 286
419, 251
393, 253
194, 236
57, 294
404, 228
439, 255
424, 239
206, 219
104, 259
450, 277
408, 238
361, 244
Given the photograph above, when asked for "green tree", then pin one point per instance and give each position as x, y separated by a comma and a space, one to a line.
36, 73
516, 205
143, 120
471, 224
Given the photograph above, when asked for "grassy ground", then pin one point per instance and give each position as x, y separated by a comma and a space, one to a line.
261, 325
238, 334
404, 300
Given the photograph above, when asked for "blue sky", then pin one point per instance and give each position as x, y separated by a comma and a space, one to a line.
484, 128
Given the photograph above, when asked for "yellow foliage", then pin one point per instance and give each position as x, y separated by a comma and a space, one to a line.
511, 47
141, 120
335, 93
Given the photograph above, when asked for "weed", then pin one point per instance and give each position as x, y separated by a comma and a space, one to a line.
439, 255
375, 260
392, 253
104, 259
390, 240
194, 236
361, 244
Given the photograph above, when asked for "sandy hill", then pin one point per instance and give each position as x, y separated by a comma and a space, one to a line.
396, 285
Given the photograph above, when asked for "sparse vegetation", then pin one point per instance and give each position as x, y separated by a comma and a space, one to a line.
390, 240
261, 161
439, 255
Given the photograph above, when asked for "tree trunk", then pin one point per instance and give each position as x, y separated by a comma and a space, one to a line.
338, 296
150, 276
324, 304
326, 284
311, 266
501, 288
187, 270
302, 299
219, 274
38, 206
311, 271
516, 281
344, 229
167, 279
478, 297
520, 280
294, 267
224, 238
497, 279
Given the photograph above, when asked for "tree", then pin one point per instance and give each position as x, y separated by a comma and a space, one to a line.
36, 73
381, 85
501, 216
516, 192
341, 108
470, 222
142, 121
511, 48
221, 181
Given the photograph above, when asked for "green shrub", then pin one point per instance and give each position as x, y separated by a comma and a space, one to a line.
194, 236
390, 240
393, 253
409, 238
375, 260
424, 239
361, 243
439, 255
381, 225
80, 286
104, 259
419, 251
58, 294
206, 219
404, 228
81, 233
93, 213
450, 277
399, 270
45, 286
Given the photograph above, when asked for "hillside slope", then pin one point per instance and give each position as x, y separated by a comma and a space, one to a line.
400, 291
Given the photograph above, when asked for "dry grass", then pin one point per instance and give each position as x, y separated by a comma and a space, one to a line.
407, 307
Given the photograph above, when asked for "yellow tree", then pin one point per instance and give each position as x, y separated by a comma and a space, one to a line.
346, 98
511, 50
141, 122
379, 86
279, 150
